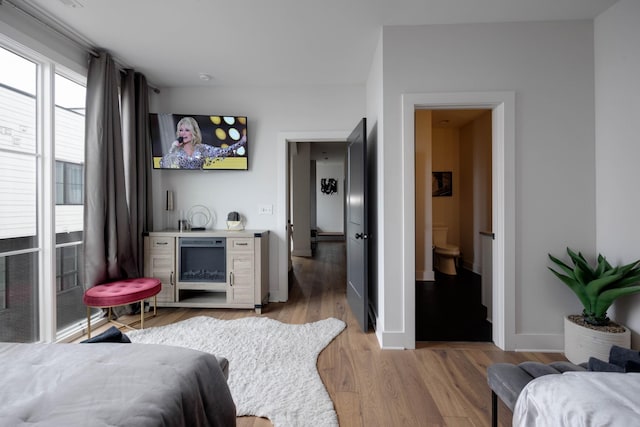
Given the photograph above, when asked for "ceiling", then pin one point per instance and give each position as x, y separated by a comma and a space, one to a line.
328, 151
453, 118
268, 42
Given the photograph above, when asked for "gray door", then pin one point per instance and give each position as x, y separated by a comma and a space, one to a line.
356, 235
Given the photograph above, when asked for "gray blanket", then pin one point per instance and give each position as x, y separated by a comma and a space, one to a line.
112, 385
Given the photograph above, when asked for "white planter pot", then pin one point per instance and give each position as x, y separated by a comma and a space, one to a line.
580, 343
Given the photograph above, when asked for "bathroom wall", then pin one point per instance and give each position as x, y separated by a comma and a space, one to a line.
424, 270
475, 183
466, 152
445, 152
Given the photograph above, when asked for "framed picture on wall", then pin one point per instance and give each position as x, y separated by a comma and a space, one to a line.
329, 185
442, 184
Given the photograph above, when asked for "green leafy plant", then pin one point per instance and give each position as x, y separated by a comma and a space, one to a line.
597, 288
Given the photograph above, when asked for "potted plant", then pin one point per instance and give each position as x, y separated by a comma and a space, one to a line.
593, 333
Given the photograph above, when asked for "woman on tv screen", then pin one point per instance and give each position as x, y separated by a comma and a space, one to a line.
187, 151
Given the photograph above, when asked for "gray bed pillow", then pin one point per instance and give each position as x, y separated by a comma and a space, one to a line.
620, 355
597, 365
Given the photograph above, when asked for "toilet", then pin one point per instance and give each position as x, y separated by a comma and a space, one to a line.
445, 254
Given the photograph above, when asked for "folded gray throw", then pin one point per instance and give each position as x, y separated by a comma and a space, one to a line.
112, 334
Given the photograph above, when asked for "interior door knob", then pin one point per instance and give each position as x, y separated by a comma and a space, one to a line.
361, 236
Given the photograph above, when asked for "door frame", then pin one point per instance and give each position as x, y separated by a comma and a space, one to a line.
502, 105
281, 294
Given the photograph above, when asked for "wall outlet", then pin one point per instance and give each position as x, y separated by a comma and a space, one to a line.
265, 209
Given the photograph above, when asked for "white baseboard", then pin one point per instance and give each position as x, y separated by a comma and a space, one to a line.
549, 343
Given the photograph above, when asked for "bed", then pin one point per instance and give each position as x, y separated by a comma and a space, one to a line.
586, 399
109, 384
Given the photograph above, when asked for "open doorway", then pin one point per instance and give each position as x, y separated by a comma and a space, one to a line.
354, 215
502, 105
316, 196
281, 292
457, 145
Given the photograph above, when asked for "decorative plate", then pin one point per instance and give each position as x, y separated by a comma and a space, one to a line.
200, 216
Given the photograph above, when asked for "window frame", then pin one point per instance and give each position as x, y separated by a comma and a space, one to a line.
44, 156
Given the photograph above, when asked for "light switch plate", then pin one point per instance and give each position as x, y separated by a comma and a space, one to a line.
265, 209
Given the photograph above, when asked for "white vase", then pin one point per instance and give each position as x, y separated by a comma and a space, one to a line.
580, 342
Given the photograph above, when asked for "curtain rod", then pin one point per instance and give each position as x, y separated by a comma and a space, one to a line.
84, 45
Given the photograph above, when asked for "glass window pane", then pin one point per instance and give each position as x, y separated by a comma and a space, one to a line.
17, 72
18, 198
19, 320
17, 102
70, 309
69, 120
74, 181
69, 149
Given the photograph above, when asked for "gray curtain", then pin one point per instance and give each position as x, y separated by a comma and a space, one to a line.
137, 159
107, 225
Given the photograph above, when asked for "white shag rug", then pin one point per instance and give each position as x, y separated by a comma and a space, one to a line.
272, 365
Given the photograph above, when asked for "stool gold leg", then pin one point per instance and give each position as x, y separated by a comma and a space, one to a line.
89, 321
142, 314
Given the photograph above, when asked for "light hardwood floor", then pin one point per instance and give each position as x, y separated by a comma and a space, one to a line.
438, 384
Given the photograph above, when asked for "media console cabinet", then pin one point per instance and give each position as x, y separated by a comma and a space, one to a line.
209, 269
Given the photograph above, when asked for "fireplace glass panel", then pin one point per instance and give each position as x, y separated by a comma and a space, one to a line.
202, 260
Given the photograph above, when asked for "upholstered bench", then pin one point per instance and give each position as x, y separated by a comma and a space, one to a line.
121, 292
507, 380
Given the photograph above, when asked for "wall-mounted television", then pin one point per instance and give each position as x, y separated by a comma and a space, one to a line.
188, 141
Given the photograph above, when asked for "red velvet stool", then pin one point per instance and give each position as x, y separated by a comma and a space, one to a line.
121, 292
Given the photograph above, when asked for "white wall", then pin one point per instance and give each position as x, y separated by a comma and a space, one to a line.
330, 207
270, 111
301, 199
549, 65
617, 67
375, 125
475, 140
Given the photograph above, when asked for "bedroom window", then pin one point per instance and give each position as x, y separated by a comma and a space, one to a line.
19, 237
41, 127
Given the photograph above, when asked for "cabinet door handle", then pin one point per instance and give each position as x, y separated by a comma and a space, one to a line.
171, 281
241, 244
162, 243
231, 278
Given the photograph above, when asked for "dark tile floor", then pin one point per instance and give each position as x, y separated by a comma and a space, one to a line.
449, 309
